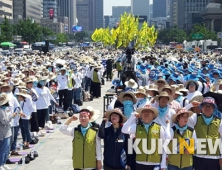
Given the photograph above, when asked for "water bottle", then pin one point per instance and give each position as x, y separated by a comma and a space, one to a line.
23, 160
32, 154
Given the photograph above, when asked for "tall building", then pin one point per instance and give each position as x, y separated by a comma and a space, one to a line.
90, 14
49, 5
23, 9
67, 8
159, 8
141, 8
6, 9
184, 12
117, 11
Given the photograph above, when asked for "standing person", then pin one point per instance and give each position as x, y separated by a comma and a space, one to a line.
27, 108
62, 80
115, 142
70, 88
96, 82
32, 92
119, 68
5, 130
141, 98
43, 102
109, 68
207, 126
88, 78
142, 125
13, 105
77, 77
87, 151
180, 130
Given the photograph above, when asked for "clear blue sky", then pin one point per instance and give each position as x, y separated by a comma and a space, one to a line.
109, 3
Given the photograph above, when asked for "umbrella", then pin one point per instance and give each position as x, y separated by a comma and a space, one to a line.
7, 44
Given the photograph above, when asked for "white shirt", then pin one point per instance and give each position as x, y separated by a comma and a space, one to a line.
78, 79
44, 96
193, 94
66, 130
129, 127
62, 82
27, 107
34, 102
13, 103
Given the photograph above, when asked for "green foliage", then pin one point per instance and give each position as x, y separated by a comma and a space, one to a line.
174, 34
79, 36
201, 29
61, 37
6, 31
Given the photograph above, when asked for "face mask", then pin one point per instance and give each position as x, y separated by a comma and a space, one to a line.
128, 108
139, 99
35, 84
53, 83
42, 82
3, 107
7, 92
50, 69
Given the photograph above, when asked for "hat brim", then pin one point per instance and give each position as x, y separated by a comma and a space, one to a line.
174, 117
173, 90
5, 101
157, 98
22, 94
95, 116
8, 85
108, 115
187, 83
154, 110
198, 98
135, 85
156, 81
139, 92
129, 93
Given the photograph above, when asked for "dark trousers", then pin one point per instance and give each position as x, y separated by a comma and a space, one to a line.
34, 122
172, 167
41, 114
206, 164
4, 150
144, 167
24, 125
88, 83
63, 98
109, 74
119, 74
108, 168
70, 97
14, 138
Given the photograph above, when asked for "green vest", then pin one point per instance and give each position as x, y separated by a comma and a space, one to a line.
205, 131
153, 133
84, 148
118, 66
180, 160
70, 85
95, 77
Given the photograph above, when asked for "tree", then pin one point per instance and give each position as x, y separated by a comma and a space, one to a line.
29, 30
201, 29
173, 34
126, 32
61, 37
47, 32
6, 30
79, 36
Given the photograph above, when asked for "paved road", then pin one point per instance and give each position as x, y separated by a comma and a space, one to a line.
55, 149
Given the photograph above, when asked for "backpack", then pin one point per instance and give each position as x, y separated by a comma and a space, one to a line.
75, 108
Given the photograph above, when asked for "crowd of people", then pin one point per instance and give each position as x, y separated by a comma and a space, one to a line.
173, 96
34, 88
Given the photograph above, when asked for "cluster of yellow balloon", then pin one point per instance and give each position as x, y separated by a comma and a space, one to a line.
126, 32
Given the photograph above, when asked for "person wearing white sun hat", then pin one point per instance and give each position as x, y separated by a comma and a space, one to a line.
5, 130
